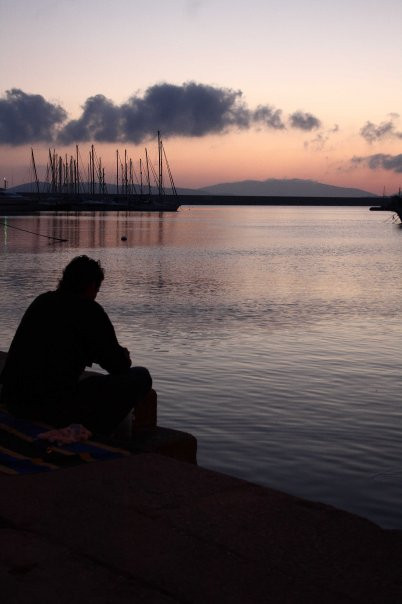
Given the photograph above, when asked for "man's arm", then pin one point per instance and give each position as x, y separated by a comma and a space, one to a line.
106, 350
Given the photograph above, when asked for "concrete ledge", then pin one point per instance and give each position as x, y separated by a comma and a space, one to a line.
165, 441
151, 529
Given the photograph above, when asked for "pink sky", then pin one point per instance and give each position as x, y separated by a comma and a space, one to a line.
335, 64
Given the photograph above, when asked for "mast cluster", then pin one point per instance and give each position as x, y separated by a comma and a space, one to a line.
69, 174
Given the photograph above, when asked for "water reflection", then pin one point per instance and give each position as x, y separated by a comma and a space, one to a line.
87, 229
273, 334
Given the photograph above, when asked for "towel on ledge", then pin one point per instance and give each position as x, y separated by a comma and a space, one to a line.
28, 447
73, 433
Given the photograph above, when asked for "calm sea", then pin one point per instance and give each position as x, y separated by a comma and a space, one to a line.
274, 334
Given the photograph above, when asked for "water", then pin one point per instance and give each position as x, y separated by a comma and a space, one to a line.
273, 335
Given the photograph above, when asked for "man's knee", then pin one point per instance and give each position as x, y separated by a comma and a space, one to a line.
145, 412
141, 375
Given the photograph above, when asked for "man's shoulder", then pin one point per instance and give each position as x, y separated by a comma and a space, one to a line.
65, 302
45, 296
42, 300
69, 306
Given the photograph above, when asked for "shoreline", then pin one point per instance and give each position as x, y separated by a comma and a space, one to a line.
33, 203
276, 200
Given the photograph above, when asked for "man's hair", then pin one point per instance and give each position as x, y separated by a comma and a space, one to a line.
79, 273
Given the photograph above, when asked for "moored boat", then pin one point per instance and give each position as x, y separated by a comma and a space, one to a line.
390, 204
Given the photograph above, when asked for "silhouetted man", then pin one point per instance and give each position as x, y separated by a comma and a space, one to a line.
61, 333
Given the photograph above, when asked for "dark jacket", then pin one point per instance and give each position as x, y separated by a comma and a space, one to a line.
59, 335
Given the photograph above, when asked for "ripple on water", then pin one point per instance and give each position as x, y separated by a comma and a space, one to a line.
273, 334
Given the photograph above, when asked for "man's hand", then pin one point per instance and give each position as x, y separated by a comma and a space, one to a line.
127, 355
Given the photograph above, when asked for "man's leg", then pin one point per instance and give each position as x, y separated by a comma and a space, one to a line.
145, 413
103, 401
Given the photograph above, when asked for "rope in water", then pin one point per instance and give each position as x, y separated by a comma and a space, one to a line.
10, 226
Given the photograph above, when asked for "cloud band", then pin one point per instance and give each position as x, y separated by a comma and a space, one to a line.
380, 161
190, 110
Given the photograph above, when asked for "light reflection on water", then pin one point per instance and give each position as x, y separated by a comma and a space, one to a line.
273, 335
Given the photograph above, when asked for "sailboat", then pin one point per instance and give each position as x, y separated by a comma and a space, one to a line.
391, 204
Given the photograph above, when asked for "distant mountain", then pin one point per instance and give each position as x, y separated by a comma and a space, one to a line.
262, 188
285, 187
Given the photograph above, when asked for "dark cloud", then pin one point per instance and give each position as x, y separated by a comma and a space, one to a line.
379, 161
269, 117
188, 110
100, 121
191, 110
26, 118
372, 132
304, 121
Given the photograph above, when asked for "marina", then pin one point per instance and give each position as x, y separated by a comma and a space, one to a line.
65, 187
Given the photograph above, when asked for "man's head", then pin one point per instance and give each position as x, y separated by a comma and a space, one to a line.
83, 276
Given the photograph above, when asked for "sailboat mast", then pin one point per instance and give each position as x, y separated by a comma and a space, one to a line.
71, 184
125, 172
100, 183
131, 178
148, 179
117, 171
77, 178
59, 188
35, 172
160, 174
53, 186
92, 170
169, 172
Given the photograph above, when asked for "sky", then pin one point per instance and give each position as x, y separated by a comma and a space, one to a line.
239, 89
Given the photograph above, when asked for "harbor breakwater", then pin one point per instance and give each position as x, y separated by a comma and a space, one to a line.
35, 202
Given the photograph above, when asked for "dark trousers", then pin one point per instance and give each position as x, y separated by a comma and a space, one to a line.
103, 401
99, 402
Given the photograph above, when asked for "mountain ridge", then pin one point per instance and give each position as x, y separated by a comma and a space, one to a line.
283, 187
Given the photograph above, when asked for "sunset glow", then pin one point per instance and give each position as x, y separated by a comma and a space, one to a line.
256, 90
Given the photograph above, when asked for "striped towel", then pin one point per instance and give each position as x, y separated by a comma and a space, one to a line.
22, 452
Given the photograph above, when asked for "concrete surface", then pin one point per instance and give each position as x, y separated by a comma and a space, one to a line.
148, 528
